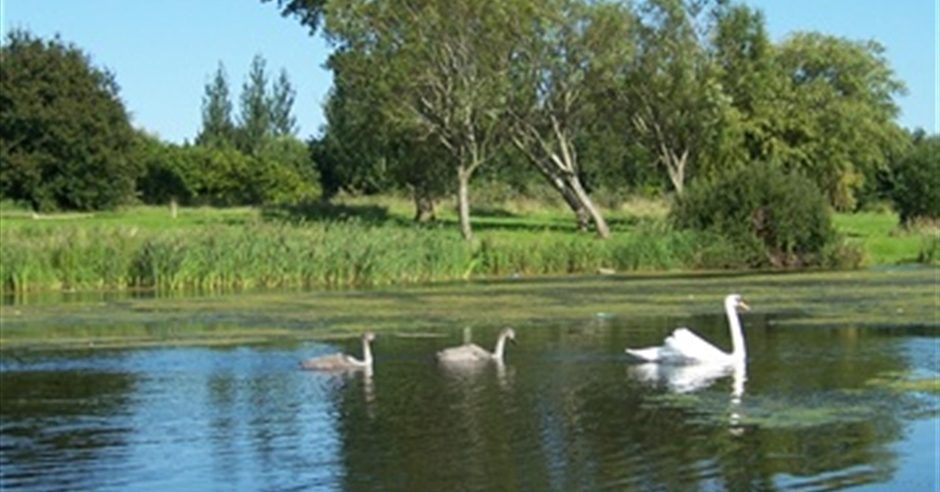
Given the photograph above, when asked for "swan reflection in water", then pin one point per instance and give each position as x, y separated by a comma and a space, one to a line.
470, 373
689, 378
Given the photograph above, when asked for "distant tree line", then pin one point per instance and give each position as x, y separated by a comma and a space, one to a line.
448, 98
68, 144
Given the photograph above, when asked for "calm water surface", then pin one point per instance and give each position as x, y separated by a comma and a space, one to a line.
567, 412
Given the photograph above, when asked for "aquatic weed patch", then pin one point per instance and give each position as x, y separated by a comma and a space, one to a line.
863, 299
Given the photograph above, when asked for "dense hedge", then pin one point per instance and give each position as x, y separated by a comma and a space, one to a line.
223, 176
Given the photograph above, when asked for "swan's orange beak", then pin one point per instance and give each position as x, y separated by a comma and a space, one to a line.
744, 306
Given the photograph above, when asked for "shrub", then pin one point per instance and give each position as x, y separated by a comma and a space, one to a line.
916, 192
771, 217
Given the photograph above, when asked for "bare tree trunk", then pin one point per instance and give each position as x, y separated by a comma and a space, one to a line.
551, 174
675, 166
424, 205
559, 171
581, 213
600, 224
578, 201
463, 201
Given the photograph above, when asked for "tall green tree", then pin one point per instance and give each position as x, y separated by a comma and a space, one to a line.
445, 62
745, 59
218, 129
65, 137
362, 150
281, 104
817, 103
567, 51
254, 122
348, 155
670, 88
835, 115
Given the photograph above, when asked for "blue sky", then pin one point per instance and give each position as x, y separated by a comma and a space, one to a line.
164, 51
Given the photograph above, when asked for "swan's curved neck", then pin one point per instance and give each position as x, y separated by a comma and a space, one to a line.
500, 347
366, 353
737, 336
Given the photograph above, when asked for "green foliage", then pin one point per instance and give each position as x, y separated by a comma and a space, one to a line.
930, 249
254, 123
916, 192
834, 113
292, 157
770, 217
223, 176
308, 12
165, 172
218, 130
362, 243
280, 105
65, 137
648, 95
265, 113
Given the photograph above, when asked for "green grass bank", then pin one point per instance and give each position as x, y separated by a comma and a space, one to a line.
369, 243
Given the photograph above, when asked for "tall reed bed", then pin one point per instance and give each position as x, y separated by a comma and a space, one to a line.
331, 254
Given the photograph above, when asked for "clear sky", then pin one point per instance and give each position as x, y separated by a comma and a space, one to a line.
163, 52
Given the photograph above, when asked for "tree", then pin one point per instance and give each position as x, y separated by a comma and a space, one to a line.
347, 155
916, 180
254, 124
217, 127
744, 57
363, 151
445, 65
308, 12
834, 115
280, 104
671, 90
569, 51
65, 137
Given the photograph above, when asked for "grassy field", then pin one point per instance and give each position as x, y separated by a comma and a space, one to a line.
372, 241
885, 242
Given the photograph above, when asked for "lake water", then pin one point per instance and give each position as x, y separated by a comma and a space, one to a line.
566, 412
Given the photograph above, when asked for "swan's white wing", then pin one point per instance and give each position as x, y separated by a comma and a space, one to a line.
649, 354
688, 345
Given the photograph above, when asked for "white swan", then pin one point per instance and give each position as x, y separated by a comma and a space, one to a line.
469, 352
343, 362
684, 346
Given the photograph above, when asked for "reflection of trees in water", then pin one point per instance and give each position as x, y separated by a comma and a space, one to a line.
438, 428
68, 420
257, 420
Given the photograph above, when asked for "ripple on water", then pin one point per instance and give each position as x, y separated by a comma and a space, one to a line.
566, 412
